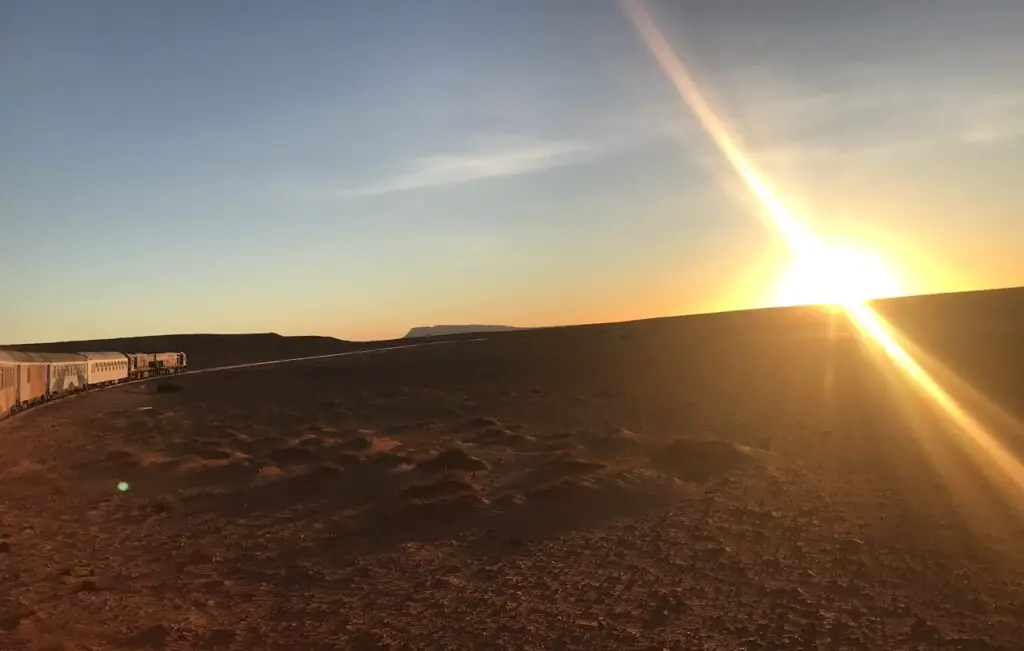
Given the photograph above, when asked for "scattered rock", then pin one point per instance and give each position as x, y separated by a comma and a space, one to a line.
270, 471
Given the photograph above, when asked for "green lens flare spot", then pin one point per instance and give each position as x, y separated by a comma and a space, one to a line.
122, 486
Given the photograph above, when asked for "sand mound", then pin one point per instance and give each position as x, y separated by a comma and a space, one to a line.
614, 442
481, 422
509, 500
169, 387
489, 435
258, 447
565, 487
368, 443
549, 509
517, 440
309, 480
567, 464
198, 472
124, 459
442, 488
562, 445
453, 459
390, 461
499, 436
119, 456
289, 455
357, 443
696, 460
314, 442
346, 459
443, 509
217, 454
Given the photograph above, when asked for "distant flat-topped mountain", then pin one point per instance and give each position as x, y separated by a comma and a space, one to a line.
438, 330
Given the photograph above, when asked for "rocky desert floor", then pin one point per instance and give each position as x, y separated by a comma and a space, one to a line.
620, 487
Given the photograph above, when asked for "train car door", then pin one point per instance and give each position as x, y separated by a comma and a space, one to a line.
21, 392
27, 383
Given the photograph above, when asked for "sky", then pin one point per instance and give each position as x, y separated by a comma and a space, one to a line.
357, 169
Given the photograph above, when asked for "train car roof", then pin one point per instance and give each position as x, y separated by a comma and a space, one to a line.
19, 357
102, 356
61, 357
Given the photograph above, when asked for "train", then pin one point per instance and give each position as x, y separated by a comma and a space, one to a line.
29, 379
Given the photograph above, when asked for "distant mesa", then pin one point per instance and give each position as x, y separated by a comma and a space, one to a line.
436, 331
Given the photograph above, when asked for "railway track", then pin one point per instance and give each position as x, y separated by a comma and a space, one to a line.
231, 367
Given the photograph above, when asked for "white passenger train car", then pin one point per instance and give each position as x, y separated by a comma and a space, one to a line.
106, 368
68, 372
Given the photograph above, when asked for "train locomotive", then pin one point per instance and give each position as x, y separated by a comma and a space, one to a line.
28, 379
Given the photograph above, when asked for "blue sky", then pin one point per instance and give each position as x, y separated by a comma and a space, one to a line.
355, 169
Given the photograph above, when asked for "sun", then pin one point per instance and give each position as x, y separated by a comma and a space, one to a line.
836, 275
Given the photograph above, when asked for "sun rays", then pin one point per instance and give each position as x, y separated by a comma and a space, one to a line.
827, 273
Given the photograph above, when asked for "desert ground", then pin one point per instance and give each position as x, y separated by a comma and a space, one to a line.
764, 480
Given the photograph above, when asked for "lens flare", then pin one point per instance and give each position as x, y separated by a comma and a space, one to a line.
835, 275
812, 252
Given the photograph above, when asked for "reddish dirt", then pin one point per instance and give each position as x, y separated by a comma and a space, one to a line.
644, 486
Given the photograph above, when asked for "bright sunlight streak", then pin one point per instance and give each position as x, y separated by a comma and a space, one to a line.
835, 275
823, 273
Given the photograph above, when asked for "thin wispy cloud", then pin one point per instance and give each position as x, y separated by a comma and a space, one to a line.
863, 112
502, 159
